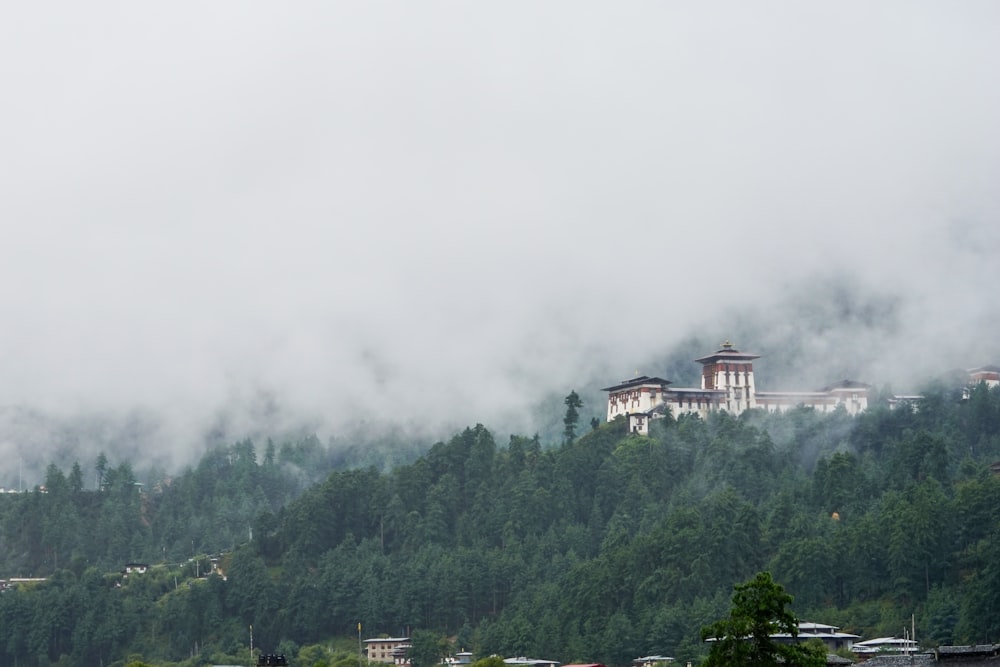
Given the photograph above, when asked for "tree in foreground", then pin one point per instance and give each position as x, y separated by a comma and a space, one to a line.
744, 638
427, 649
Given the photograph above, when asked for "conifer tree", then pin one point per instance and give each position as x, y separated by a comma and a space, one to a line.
573, 405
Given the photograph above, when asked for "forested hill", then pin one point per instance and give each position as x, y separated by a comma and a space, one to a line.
601, 549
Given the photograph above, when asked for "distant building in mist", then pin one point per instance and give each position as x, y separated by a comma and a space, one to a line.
727, 383
988, 374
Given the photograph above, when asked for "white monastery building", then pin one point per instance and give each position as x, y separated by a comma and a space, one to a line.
988, 374
727, 383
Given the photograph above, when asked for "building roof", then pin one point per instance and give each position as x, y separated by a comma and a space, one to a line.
973, 650
808, 630
984, 369
900, 660
529, 661
695, 391
846, 384
885, 644
791, 394
728, 353
809, 626
638, 382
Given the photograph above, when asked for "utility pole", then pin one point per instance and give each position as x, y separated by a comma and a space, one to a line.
359, 645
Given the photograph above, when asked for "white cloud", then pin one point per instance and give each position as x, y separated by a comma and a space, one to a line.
456, 208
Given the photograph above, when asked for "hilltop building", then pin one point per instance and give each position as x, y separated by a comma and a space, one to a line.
988, 374
727, 383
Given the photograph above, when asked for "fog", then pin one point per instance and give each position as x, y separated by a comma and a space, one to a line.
266, 216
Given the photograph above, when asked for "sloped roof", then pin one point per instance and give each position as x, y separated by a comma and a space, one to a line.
727, 352
846, 384
638, 382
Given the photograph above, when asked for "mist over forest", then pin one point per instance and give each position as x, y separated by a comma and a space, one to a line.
605, 545
336, 220
827, 332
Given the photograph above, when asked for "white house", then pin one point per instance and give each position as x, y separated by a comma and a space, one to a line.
727, 383
885, 645
828, 634
988, 374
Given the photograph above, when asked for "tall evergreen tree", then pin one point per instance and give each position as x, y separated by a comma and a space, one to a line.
573, 405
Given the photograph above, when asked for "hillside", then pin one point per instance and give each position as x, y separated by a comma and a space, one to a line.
602, 549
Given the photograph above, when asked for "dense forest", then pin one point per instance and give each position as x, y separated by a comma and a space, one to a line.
600, 548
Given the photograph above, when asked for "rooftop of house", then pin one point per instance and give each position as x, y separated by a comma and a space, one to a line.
834, 659
727, 353
808, 630
697, 391
881, 644
846, 384
639, 381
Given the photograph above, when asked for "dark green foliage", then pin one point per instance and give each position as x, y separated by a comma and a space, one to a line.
601, 549
427, 649
573, 405
744, 637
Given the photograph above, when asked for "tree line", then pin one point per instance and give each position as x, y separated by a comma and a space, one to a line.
600, 548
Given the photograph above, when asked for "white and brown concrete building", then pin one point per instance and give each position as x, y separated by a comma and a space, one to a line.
727, 383
988, 374
386, 649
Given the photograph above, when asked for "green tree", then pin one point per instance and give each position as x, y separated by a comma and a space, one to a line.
76, 478
573, 405
492, 661
425, 649
744, 638
101, 466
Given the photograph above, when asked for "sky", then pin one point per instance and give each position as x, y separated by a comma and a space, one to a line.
440, 213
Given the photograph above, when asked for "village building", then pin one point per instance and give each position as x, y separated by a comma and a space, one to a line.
828, 634
530, 662
952, 656
386, 649
727, 383
135, 568
882, 645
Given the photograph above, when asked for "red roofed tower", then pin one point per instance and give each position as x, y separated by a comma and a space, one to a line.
730, 370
